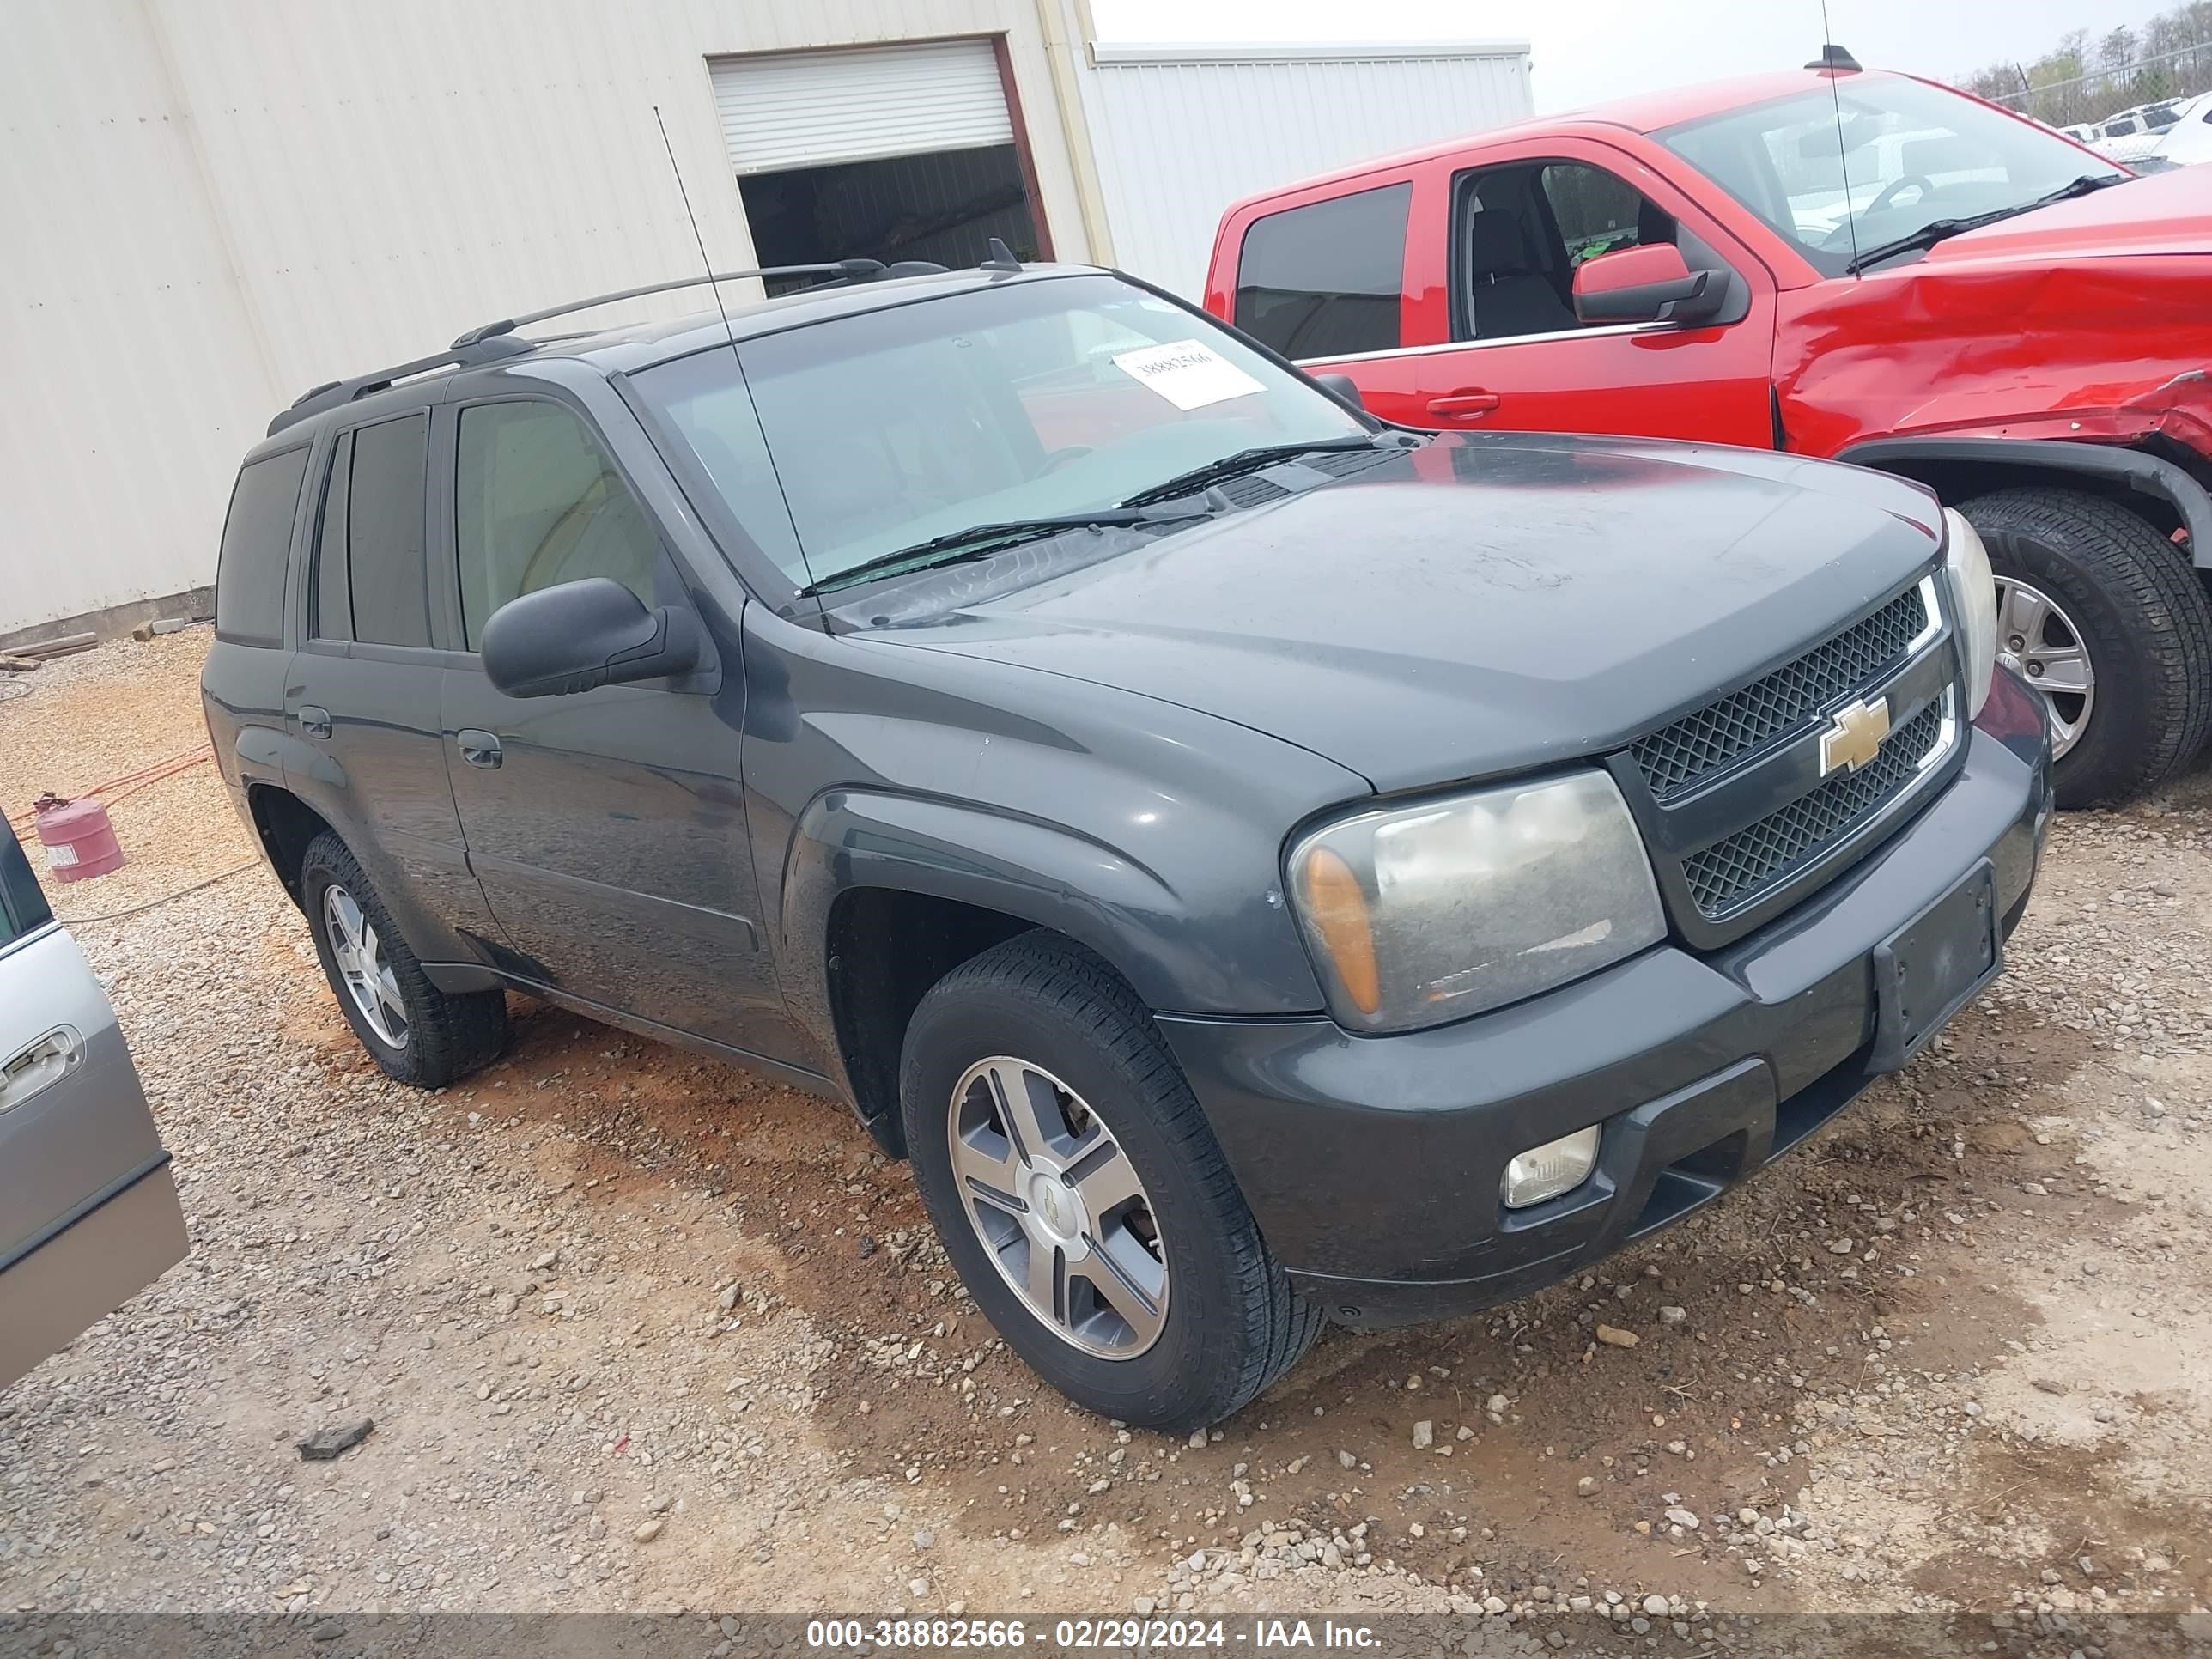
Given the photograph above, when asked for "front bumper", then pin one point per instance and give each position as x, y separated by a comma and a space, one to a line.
1372, 1163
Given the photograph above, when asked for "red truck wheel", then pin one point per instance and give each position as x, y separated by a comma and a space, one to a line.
2106, 617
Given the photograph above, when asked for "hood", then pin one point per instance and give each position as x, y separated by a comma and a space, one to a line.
1479, 605
2168, 212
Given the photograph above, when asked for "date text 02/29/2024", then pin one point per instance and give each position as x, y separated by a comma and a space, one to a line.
843, 1635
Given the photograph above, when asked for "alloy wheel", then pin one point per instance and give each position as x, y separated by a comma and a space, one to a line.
2037, 639
1058, 1207
362, 964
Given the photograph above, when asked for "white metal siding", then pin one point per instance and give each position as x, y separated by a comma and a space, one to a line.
819, 108
213, 204
1181, 131
133, 374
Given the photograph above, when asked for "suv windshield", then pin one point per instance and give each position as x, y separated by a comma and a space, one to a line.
998, 406
1912, 155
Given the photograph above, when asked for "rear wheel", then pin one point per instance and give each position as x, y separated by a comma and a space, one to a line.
417, 1033
2104, 616
1082, 1196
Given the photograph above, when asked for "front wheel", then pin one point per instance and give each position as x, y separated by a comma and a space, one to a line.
2107, 619
1081, 1194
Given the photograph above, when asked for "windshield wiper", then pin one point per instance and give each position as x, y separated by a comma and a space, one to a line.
979, 540
1243, 461
1936, 230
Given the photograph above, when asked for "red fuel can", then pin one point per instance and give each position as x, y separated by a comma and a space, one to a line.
80, 841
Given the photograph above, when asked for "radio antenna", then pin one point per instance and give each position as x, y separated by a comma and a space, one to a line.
1829, 53
708, 265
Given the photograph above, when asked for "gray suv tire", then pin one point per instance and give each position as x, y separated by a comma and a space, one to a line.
1106, 1239
418, 1034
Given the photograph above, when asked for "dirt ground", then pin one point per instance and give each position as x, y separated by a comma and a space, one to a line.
640, 1332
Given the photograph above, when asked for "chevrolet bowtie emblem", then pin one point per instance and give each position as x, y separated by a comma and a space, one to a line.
1854, 736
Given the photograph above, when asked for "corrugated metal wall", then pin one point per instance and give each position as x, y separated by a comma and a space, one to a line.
213, 204
1181, 131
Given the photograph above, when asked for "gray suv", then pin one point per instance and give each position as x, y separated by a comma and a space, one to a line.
1260, 863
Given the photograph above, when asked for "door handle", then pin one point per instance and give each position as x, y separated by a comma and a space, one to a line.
1468, 400
315, 722
33, 1069
479, 748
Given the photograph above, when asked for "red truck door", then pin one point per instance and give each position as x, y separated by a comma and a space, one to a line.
1488, 336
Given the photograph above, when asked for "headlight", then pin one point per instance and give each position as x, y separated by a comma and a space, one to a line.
1434, 912
1974, 601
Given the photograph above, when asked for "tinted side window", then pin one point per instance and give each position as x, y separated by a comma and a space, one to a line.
537, 504
22, 906
1324, 280
383, 532
330, 609
257, 537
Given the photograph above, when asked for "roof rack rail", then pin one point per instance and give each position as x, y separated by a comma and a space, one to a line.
851, 270
332, 394
488, 341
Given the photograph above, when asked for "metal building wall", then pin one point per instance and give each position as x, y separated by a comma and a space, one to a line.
213, 204
1181, 131
132, 369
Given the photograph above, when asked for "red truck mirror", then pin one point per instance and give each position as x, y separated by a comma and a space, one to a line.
1645, 285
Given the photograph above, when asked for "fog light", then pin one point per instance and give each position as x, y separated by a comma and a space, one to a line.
1545, 1172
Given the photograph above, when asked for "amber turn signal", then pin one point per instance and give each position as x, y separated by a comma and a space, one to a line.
1338, 910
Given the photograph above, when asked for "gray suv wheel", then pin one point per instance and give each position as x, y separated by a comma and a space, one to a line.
417, 1033
1082, 1196
1059, 1205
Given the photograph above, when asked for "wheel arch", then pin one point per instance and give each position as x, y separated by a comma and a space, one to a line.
945, 881
286, 825
1959, 468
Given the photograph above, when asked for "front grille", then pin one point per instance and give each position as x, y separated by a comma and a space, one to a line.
1721, 733
1766, 854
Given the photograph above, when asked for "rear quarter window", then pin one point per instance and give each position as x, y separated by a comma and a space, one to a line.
383, 554
1323, 280
256, 541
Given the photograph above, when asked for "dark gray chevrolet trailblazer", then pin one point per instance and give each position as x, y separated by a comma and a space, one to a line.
1261, 865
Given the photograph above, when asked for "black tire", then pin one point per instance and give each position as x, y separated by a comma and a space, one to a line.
1232, 1323
448, 1036
2143, 616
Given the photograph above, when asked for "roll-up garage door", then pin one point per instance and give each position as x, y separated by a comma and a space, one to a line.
813, 109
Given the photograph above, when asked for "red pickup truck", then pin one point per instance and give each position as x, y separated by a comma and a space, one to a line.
1850, 264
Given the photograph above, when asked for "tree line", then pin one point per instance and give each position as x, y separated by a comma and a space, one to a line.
2091, 74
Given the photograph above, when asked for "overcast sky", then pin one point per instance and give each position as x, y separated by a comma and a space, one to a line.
1584, 51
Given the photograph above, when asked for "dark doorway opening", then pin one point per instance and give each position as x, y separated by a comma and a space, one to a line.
943, 206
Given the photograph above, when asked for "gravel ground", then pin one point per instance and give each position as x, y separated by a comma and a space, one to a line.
637, 1332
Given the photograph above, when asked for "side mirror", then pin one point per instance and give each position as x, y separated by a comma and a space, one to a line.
1648, 284
585, 634
1343, 385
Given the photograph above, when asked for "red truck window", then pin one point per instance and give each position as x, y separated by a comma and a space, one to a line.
1524, 228
1325, 280
1839, 170
1597, 213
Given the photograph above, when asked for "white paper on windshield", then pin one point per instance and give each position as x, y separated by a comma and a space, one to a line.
1188, 374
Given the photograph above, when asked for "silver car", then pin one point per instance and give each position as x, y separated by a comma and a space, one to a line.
88, 1214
